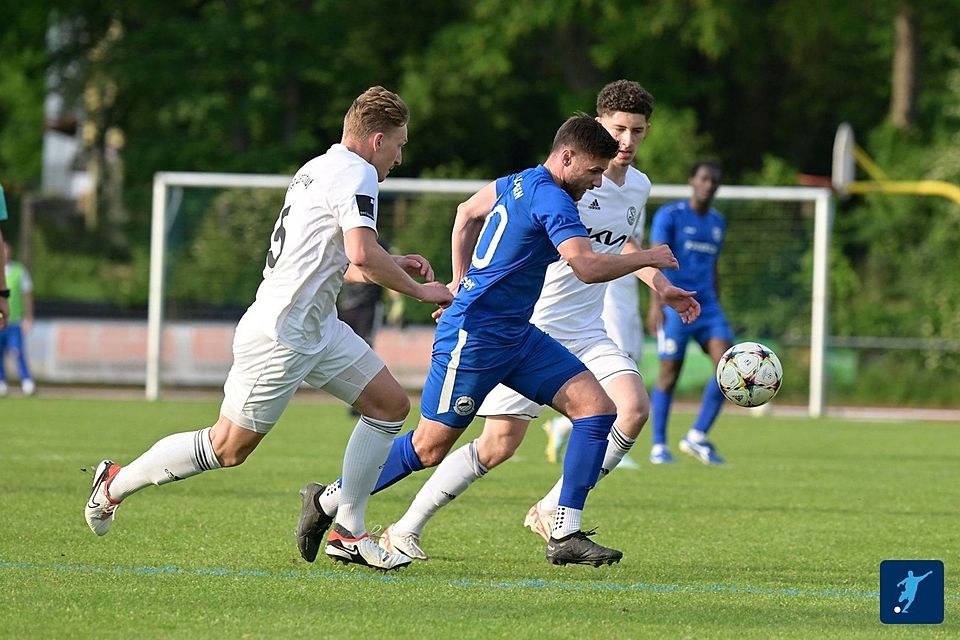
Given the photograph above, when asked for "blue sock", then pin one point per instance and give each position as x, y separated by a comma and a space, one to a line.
401, 462
660, 402
709, 407
581, 464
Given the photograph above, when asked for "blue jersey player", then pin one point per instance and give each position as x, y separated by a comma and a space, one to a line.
695, 232
500, 257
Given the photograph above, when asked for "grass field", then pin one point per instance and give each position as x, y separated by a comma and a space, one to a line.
783, 542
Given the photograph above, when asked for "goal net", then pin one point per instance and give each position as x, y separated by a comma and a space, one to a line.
210, 234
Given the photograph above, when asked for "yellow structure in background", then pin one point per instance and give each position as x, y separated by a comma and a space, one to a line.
847, 154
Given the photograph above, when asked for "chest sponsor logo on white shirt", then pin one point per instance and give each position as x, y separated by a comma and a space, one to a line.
595, 205
631, 215
605, 236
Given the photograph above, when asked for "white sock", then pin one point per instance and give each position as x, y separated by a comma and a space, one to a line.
567, 522
617, 446
363, 460
452, 477
175, 457
330, 498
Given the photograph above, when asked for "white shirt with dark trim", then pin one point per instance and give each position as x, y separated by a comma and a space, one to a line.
569, 309
296, 301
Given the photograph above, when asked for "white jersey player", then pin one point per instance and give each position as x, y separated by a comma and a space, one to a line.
325, 233
621, 304
569, 311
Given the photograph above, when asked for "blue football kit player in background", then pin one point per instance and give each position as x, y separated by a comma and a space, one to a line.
500, 258
695, 232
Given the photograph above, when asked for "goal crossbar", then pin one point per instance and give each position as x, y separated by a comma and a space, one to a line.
161, 218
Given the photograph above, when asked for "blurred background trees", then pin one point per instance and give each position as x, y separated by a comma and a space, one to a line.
261, 86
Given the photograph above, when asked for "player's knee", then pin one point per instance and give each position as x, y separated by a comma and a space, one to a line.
630, 420
431, 456
666, 382
392, 408
499, 453
600, 405
399, 408
232, 456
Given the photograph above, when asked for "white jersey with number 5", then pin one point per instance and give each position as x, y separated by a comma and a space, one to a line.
296, 302
569, 309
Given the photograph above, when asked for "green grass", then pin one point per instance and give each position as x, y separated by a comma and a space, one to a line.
783, 542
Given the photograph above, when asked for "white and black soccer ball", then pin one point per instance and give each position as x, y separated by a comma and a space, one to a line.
749, 374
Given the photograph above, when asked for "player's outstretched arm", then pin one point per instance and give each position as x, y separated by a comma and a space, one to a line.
591, 267
370, 260
466, 228
681, 300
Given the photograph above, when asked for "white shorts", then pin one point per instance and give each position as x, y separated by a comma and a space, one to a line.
601, 355
266, 374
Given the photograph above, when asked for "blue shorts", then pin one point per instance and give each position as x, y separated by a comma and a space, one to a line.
465, 367
11, 338
672, 338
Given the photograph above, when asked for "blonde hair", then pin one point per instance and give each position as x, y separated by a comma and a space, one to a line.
375, 110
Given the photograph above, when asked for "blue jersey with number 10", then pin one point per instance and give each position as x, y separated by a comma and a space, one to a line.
531, 217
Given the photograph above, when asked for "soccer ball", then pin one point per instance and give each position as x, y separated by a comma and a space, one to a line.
749, 374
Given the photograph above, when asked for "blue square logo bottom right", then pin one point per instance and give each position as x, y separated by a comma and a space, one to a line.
911, 592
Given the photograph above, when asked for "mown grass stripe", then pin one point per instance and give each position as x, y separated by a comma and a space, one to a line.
470, 584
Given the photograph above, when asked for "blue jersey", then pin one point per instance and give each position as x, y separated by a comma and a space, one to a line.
531, 217
696, 240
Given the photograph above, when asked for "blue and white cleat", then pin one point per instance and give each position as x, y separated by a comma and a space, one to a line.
661, 455
703, 451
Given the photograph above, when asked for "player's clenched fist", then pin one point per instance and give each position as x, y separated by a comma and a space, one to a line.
435, 292
662, 257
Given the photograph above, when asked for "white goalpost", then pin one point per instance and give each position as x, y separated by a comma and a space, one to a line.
167, 192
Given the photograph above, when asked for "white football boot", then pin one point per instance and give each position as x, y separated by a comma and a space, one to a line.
343, 547
405, 542
101, 507
540, 521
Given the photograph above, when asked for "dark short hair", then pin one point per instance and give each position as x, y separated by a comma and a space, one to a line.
713, 165
626, 96
583, 133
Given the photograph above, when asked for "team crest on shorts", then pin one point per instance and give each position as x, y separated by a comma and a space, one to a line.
631, 215
464, 406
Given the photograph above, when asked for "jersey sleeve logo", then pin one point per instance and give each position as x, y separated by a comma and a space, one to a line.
365, 205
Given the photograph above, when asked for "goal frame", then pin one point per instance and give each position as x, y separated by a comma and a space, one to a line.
162, 215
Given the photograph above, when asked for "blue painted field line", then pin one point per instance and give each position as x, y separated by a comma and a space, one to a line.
462, 583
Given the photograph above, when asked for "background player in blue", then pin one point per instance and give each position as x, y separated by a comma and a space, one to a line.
695, 232
500, 257
4, 291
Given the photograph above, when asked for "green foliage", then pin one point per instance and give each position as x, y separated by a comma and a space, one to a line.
660, 157
84, 275
424, 228
223, 262
254, 86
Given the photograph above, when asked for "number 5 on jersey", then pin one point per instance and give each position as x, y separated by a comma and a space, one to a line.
279, 235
